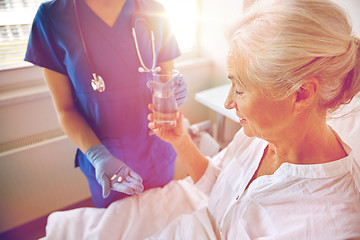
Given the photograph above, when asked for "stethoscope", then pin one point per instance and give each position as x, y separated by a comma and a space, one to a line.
97, 82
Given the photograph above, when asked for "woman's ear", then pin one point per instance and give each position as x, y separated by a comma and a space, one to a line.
306, 94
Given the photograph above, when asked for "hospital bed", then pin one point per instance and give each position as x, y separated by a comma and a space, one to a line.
143, 215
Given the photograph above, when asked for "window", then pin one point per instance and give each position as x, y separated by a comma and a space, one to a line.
16, 17
183, 17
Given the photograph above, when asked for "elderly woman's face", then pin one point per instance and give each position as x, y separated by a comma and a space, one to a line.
259, 115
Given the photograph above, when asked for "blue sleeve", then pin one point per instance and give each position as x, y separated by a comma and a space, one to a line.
169, 47
43, 49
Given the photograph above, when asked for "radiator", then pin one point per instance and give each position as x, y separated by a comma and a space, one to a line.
37, 176
31, 141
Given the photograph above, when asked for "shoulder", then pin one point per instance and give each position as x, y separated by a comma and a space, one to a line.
151, 6
55, 8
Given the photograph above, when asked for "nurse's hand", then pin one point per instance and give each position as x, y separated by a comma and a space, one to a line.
180, 88
174, 135
112, 173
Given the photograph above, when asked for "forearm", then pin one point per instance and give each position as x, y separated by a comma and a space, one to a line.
72, 122
194, 161
77, 129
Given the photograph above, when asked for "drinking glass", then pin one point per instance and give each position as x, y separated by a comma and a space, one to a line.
163, 99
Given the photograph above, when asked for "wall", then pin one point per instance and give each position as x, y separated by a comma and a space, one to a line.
36, 160
352, 7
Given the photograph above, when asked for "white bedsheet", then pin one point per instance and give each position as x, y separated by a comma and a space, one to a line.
145, 214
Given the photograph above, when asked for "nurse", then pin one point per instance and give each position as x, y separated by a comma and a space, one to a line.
71, 40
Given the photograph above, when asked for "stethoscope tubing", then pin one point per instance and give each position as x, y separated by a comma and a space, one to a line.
91, 65
143, 18
143, 68
97, 82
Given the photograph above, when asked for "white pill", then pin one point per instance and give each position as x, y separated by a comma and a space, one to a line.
120, 179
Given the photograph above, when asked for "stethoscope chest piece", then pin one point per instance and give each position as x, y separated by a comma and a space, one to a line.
97, 83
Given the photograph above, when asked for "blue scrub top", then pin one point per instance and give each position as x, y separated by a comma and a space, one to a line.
118, 115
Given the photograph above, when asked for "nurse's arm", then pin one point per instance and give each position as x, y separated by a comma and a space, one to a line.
167, 64
71, 121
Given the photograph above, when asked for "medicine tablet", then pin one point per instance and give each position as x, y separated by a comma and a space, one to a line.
120, 179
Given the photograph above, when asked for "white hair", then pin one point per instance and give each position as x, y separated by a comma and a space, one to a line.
280, 43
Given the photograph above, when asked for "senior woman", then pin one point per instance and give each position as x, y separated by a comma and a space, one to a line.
286, 174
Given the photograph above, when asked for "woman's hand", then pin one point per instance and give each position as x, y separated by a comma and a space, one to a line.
173, 135
195, 163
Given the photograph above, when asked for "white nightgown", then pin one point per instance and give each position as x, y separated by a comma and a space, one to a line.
318, 201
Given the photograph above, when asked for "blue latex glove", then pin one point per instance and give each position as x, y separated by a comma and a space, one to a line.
180, 91
106, 166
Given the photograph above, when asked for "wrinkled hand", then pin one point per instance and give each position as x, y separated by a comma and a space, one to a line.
173, 135
180, 88
106, 166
